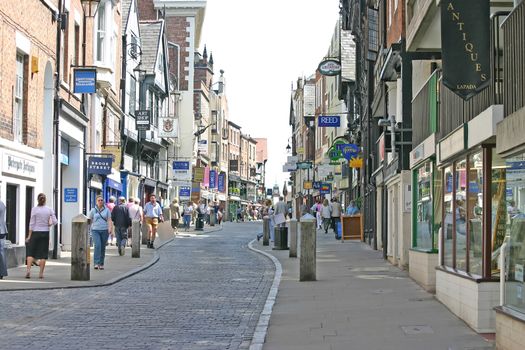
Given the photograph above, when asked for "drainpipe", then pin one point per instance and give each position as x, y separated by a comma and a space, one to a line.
56, 132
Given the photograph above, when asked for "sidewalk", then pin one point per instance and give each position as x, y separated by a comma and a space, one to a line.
57, 274
360, 302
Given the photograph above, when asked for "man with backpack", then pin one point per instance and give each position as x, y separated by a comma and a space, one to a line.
121, 221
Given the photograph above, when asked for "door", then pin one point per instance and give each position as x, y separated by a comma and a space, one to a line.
11, 204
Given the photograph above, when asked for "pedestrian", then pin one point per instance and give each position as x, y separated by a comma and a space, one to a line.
110, 205
280, 212
100, 220
336, 215
131, 202
135, 214
3, 235
352, 209
153, 214
37, 241
175, 214
271, 215
188, 213
326, 214
121, 222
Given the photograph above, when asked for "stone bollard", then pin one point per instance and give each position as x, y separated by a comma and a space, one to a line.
307, 265
212, 217
266, 230
80, 252
144, 231
135, 239
293, 238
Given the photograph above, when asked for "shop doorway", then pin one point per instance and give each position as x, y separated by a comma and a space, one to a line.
11, 204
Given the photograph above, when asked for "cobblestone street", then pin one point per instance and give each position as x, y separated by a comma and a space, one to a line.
206, 292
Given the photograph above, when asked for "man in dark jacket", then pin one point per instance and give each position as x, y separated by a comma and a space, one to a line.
121, 222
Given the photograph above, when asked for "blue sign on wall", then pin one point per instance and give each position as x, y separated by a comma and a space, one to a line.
185, 192
213, 179
222, 182
85, 81
329, 121
100, 165
70, 195
181, 165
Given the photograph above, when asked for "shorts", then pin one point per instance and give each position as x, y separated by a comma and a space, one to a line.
153, 222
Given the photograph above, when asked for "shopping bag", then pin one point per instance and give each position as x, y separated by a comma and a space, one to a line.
279, 218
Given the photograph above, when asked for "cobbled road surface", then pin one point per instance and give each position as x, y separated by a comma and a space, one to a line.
206, 292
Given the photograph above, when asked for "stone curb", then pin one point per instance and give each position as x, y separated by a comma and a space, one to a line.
261, 329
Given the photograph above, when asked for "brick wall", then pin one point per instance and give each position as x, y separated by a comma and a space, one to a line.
34, 21
177, 32
396, 31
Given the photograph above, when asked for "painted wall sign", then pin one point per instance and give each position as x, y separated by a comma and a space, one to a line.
465, 42
143, 119
84, 81
19, 166
329, 67
178, 165
329, 121
100, 165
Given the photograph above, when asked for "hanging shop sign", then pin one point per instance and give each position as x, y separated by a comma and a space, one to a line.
465, 43
304, 165
325, 188
203, 147
269, 191
330, 67
234, 165
181, 171
348, 150
198, 174
142, 119
100, 165
307, 185
326, 121
213, 179
300, 150
356, 163
84, 80
184, 192
168, 127
316, 185
221, 182
288, 167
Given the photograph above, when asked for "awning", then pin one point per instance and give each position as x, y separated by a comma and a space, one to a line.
235, 198
162, 185
150, 182
114, 184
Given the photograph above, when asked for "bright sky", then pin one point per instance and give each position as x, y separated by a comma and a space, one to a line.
264, 46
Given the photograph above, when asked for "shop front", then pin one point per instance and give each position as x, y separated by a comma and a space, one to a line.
426, 214
473, 227
510, 315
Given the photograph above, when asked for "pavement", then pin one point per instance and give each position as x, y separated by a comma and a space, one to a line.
57, 274
359, 301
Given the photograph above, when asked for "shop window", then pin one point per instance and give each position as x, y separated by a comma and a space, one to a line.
448, 224
499, 209
424, 208
460, 217
515, 230
475, 212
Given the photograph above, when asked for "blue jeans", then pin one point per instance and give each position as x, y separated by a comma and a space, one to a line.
187, 220
3, 258
122, 236
100, 237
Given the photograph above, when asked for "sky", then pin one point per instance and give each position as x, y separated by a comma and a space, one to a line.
263, 47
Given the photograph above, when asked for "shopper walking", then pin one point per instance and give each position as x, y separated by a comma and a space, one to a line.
37, 242
135, 214
175, 215
100, 219
121, 221
188, 213
316, 211
336, 215
110, 205
153, 214
280, 213
3, 235
326, 214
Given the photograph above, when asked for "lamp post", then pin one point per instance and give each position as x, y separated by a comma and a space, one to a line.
309, 121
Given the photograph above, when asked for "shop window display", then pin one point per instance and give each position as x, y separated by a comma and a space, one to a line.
448, 224
514, 199
475, 212
424, 239
460, 216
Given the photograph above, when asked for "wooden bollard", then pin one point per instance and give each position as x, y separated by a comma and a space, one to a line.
80, 251
135, 239
293, 238
266, 230
307, 264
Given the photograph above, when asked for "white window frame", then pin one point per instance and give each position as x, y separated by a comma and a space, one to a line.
18, 98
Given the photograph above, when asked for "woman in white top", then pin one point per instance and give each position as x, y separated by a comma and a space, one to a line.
326, 214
